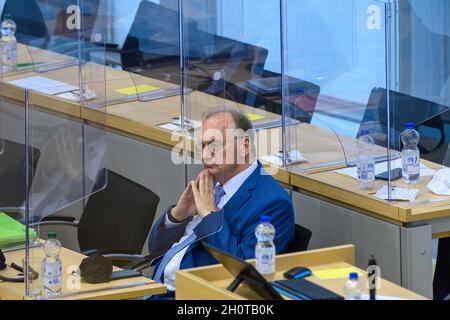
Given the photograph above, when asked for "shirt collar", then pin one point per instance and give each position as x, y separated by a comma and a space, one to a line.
232, 186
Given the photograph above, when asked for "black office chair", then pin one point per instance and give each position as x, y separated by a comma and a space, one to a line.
301, 240
403, 109
12, 175
441, 281
153, 40
235, 60
29, 19
152, 49
116, 220
32, 28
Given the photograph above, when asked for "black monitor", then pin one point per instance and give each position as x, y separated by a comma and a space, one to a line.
244, 273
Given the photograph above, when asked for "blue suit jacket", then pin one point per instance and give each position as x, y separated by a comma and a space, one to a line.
232, 229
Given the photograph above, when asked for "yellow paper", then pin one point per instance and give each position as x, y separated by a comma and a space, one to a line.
137, 90
339, 273
254, 117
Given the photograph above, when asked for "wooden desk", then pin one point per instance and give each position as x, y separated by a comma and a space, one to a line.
141, 119
322, 198
210, 283
16, 291
398, 233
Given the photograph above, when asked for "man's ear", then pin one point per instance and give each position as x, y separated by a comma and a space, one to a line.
246, 147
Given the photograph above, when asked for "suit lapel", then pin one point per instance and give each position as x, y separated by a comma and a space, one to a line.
244, 192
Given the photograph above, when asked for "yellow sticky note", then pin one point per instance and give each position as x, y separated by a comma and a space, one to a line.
137, 90
254, 117
339, 273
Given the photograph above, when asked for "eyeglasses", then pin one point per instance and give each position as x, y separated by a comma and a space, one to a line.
214, 147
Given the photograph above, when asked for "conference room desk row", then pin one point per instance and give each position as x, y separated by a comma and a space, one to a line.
204, 283
211, 282
328, 203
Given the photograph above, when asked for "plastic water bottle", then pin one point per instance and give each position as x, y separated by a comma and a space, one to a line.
265, 251
366, 161
9, 44
353, 288
52, 266
410, 154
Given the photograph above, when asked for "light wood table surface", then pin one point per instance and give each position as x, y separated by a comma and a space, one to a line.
104, 291
210, 283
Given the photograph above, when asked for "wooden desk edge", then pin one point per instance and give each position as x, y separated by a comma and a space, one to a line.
191, 281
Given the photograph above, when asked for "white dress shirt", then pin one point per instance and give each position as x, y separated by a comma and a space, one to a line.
230, 188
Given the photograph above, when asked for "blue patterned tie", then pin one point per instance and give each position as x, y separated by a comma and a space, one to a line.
219, 192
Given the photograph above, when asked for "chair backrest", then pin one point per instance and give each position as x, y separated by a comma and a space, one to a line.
117, 218
427, 115
153, 43
238, 60
29, 19
301, 240
58, 11
153, 38
12, 172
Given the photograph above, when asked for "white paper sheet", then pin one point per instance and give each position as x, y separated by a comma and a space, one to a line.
170, 127
294, 157
382, 167
75, 95
44, 85
440, 184
175, 125
399, 194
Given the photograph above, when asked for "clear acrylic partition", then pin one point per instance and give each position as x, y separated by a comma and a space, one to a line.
232, 58
332, 64
64, 110
335, 60
14, 158
142, 44
226, 52
421, 93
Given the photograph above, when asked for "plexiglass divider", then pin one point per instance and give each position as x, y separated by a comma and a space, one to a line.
311, 76
335, 70
13, 160
69, 154
418, 103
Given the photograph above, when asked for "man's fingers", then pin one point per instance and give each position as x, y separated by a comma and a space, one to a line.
195, 191
209, 185
202, 185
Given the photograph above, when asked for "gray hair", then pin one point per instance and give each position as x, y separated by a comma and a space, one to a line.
241, 122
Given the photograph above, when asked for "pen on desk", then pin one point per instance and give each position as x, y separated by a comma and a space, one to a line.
372, 277
29, 64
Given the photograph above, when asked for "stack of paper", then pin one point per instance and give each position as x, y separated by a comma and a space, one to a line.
12, 232
293, 157
43, 85
399, 194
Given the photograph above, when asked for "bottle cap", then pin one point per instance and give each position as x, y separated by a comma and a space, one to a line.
410, 125
354, 276
265, 219
51, 235
364, 132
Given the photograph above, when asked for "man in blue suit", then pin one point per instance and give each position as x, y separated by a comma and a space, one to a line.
224, 205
